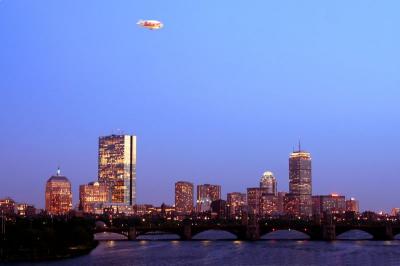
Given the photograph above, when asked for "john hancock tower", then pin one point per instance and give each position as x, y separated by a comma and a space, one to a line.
117, 167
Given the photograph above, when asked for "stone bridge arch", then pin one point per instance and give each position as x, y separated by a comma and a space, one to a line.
378, 232
239, 232
309, 232
285, 234
143, 232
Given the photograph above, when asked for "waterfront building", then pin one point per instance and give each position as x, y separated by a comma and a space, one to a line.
300, 182
254, 199
291, 205
92, 196
183, 198
395, 212
281, 202
333, 203
117, 167
25, 210
205, 195
7, 206
58, 195
352, 205
117, 209
268, 182
235, 204
218, 209
268, 205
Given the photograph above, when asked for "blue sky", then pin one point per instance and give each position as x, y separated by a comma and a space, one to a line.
219, 95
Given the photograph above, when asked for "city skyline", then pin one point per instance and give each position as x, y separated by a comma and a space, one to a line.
218, 95
117, 161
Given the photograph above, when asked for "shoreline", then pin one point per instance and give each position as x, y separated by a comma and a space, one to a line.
69, 253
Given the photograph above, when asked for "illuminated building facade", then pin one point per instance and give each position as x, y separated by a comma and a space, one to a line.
205, 195
117, 167
235, 204
291, 204
300, 182
92, 196
7, 206
395, 212
184, 197
268, 182
281, 202
254, 199
58, 195
268, 204
333, 203
25, 210
352, 205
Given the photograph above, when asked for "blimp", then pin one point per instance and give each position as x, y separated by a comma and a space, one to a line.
150, 24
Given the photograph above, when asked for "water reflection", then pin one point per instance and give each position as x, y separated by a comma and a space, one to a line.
214, 235
285, 234
354, 235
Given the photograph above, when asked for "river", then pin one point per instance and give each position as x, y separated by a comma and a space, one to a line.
167, 251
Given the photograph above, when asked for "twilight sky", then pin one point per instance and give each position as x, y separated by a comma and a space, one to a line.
219, 95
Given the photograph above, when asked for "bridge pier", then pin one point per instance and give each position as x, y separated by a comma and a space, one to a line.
253, 228
132, 233
328, 232
384, 234
187, 232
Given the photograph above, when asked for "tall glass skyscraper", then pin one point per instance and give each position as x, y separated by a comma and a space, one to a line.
300, 182
117, 167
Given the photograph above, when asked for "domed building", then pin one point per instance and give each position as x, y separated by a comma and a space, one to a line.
268, 182
58, 195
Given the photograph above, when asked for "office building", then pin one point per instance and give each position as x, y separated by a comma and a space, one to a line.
254, 199
352, 205
268, 182
333, 204
205, 195
235, 204
58, 195
184, 197
7, 206
117, 167
300, 183
92, 196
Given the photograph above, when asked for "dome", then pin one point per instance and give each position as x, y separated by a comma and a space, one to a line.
58, 178
267, 175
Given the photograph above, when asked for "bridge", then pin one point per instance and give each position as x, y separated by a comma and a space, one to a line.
255, 230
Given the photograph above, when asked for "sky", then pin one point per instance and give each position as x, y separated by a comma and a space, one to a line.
219, 95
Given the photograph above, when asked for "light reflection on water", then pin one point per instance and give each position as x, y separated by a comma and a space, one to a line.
235, 252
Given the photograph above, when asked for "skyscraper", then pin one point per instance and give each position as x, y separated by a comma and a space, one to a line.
58, 194
268, 182
300, 182
205, 195
183, 197
117, 167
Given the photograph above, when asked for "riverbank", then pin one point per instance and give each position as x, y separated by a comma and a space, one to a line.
46, 254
